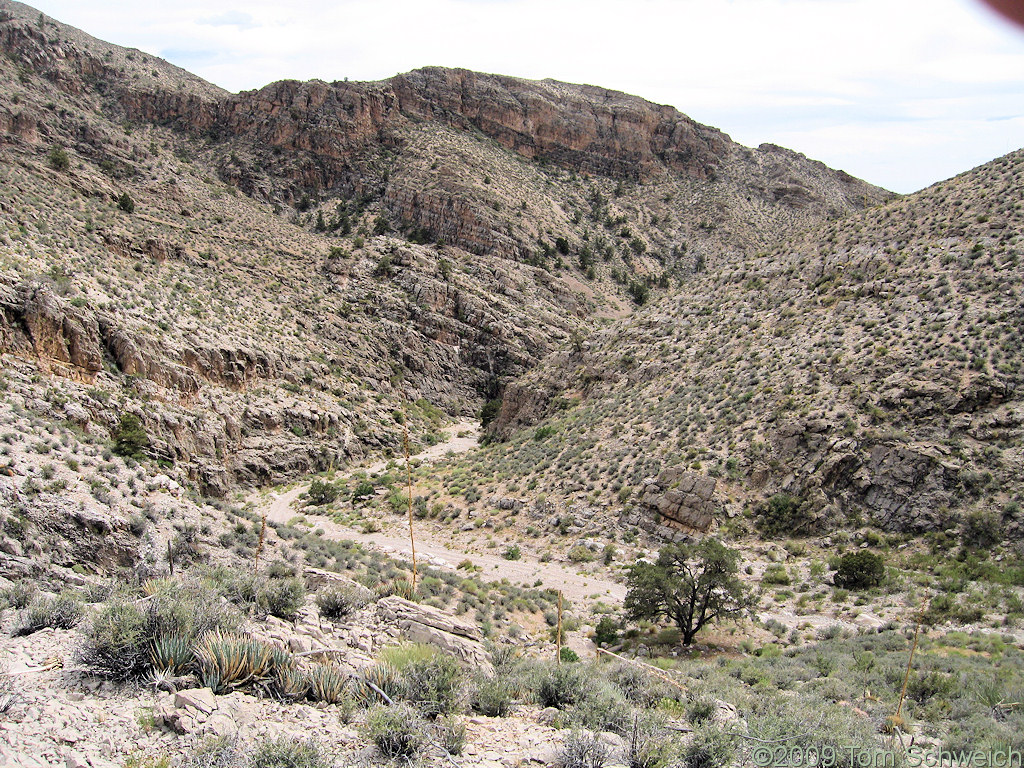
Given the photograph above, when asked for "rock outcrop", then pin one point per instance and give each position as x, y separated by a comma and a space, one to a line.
424, 624
676, 504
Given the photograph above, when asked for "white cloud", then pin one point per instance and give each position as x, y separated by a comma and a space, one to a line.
821, 76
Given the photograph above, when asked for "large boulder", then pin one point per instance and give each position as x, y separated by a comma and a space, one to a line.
424, 624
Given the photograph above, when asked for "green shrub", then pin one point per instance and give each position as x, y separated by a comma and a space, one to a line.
603, 708
117, 641
321, 492
283, 597
61, 612
709, 748
859, 570
583, 750
491, 696
397, 731
59, 159
982, 529
125, 203
568, 655
562, 685
776, 574
783, 515
18, 595
451, 734
639, 686
433, 685
363, 490
338, 601
649, 743
288, 752
581, 554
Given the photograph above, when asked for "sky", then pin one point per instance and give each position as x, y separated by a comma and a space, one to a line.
902, 93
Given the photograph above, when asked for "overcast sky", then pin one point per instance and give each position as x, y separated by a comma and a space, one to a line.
902, 93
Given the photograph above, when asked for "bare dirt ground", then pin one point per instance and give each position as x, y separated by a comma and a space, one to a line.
461, 437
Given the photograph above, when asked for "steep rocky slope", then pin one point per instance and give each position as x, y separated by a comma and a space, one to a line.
267, 278
870, 370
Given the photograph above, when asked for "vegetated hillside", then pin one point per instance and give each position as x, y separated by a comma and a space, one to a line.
870, 371
265, 278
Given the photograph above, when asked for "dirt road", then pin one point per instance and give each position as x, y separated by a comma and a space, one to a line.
578, 587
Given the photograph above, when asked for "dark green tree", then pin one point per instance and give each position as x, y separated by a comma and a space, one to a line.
859, 570
691, 585
59, 159
130, 438
322, 492
125, 203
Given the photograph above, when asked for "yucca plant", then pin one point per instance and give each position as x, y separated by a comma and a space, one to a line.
291, 684
229, 662
171, 654
383, 677
151, 587
328, 684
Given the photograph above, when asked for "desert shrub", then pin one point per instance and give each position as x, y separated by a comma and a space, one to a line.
189, 609
783, 515
18, 595
61, 612
338, 601
491, 696
216, 752
240, 587
638, 686
581, 554
288, 752
451, 734
568, 655
709, 748
649, 744
362, 490
398, 731
982, 528
282, 597
125, 203
432, 685
59, 159
811, 723
581, 749
859, 570
603, 708
322, 492
562, 685
701, 709
116, 642
776, 574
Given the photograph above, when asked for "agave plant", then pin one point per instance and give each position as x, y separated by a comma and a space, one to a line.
382, 678
327, 683
229, 662
172, 654
291, 684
